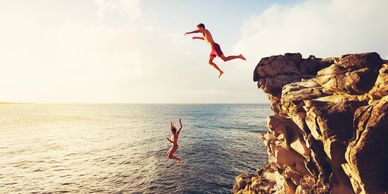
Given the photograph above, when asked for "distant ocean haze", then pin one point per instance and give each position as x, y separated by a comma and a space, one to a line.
121, 147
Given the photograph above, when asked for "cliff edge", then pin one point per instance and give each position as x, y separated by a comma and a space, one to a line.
329, 131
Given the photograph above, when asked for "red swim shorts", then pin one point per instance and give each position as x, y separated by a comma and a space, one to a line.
216, 50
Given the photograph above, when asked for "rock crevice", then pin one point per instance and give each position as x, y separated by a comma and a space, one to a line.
329, 130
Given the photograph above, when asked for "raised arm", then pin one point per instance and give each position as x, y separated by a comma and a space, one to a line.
181, 126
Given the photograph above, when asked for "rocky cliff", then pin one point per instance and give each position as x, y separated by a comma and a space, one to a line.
329, 131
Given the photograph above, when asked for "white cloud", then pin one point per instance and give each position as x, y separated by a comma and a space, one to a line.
127, 8
319, 27
103, 53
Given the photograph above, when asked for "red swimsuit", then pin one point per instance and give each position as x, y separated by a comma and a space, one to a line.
216, 50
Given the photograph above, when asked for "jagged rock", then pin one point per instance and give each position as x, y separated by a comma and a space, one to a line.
353, 74
366, 154
380, 89
330, 126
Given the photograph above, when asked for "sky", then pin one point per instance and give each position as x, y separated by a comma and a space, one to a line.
134, 51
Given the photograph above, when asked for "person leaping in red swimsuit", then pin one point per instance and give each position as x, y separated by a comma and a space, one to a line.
216, 50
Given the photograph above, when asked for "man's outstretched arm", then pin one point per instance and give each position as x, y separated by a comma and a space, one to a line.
197, 37
195, 31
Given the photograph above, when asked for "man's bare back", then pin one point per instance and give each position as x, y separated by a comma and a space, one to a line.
215, 48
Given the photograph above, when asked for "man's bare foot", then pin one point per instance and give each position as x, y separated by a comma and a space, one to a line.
221, 72
242, 57
179, 162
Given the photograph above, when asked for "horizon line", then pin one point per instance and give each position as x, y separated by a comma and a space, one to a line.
172, 103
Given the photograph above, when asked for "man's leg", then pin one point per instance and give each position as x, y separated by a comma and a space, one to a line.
228, 58
214, 65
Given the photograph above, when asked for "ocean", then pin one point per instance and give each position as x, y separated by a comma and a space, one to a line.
120, 148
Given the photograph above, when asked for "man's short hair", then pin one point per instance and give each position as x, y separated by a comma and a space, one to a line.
201, 25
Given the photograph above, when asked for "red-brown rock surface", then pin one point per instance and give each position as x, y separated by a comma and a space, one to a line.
329, 133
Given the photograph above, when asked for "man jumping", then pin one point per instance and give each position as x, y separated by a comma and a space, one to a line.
216, 50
